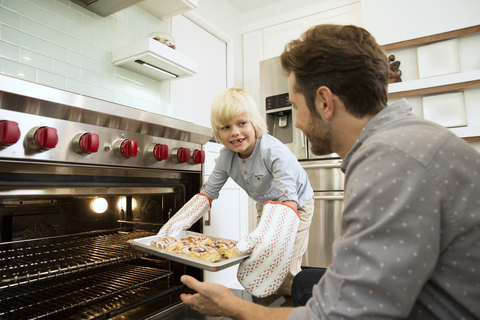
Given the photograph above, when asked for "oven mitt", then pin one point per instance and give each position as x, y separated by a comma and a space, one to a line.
271, 247
191, 211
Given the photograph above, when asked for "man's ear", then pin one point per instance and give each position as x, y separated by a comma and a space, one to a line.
325, 102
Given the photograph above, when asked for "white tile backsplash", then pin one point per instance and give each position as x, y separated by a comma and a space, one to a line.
63, 45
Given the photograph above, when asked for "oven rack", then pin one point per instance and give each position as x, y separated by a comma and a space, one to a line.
35, 260
55, 296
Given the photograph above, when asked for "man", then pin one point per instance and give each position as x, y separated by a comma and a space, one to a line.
410, 241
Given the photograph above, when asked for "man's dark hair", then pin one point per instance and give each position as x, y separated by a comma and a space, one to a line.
347, 60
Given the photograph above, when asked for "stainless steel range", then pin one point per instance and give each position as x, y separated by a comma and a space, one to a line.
79, 177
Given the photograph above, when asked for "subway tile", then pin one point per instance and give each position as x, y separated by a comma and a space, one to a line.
47, 5
136, 22
94, 25
113, 84
127, 30
101, 93
17, 70
52, 50
121, 15
109, 21
123, 99
79, 60
52, 20
118, 37
80, 32
19, 38
22, 7
108, 58
64, 2
66, 40
51, 79
107, 69
133, 89
79, 87
37, 29
9, 18
145, 82
91, 77
143, 104
144, 16
68, 13
35, 59
9, 51
124, 74
104, 43
93, 51
66, 69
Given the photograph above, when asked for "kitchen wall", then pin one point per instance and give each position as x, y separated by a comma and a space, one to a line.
60, 44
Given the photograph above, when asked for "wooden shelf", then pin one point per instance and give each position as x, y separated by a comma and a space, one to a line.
438, 84
432, 38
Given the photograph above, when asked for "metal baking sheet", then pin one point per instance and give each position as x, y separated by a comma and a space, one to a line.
143, 244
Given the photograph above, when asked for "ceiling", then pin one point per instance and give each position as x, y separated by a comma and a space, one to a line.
248, 5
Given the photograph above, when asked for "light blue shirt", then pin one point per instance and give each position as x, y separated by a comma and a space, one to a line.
270, 173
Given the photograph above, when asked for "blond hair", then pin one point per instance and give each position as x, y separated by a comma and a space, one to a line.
233, 102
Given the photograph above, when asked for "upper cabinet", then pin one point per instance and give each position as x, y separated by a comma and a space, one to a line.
168, 8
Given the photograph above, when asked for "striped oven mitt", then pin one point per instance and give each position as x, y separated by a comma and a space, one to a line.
191, 211
271, 247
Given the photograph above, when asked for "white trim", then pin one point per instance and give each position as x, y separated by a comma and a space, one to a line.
197, 19
300, 13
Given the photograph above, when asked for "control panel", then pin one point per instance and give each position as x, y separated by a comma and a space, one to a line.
26, 136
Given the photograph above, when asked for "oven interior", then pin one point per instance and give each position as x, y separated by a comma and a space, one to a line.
64, 251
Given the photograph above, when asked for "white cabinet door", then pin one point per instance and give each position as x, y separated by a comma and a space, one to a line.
252, 54
191, 98
350, 14
277, 36
228, 217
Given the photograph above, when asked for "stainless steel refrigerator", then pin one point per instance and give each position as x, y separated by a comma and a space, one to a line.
324, 172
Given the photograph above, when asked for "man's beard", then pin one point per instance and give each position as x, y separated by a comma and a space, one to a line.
319, 136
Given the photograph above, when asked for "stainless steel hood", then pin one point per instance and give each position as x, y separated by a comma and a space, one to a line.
105, 7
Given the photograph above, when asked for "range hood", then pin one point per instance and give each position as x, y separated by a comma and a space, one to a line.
105, 7
163, 8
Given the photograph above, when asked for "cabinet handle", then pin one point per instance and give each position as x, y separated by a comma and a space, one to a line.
207, 221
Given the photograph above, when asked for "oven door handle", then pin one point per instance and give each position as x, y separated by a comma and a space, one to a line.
207, 222
328, 197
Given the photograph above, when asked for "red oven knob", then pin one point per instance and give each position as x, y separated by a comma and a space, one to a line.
42, 138
180, 155
157, 152
9, 132
126, 148
85, 143
198, 156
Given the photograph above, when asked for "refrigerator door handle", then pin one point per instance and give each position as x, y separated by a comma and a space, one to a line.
323, 166
302, 135
340, 197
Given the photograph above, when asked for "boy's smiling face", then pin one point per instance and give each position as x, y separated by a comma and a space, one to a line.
238, 135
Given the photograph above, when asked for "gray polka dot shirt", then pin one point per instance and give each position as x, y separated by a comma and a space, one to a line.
410, 242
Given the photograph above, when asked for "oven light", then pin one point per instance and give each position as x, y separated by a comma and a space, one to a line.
122, 203
99, 205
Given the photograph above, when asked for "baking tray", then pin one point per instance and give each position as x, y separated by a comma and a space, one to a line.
143, 244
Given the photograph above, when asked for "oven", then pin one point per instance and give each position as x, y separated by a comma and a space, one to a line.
79, 177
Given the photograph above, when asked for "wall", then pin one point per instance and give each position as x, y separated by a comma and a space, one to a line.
60, 44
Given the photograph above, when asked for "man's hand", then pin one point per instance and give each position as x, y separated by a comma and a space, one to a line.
212, 299
217, 300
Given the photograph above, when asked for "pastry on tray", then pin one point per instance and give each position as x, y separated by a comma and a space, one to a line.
198, 239
202, 252
226, 248
197, 246
163, 242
